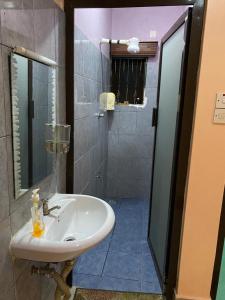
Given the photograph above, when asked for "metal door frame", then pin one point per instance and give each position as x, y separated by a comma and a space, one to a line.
185, 18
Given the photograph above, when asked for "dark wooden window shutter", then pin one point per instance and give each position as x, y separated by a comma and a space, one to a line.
146, 49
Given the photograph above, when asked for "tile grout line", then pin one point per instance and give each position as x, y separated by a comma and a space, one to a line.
108, 250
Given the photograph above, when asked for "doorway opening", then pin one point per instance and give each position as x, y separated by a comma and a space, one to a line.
132, 157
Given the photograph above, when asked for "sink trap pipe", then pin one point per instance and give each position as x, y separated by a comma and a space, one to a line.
62, 289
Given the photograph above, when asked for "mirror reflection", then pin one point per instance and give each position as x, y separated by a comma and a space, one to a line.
33, 105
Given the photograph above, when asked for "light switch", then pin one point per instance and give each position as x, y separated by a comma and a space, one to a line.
219, 116
220, 100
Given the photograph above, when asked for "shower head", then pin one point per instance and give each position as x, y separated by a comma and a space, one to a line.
133, 44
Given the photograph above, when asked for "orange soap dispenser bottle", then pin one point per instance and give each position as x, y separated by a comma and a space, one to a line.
37, 216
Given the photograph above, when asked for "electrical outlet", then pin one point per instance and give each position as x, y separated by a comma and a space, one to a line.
219, 116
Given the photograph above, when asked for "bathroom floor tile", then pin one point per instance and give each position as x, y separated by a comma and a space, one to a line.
145, 226
86, 281
115, 204
122, 285
91, 263
123, 231
148, 272
151, 287
123, 261
132, 212
127, 245
104, 245
122, 265
132, 203
128, 221
145, 247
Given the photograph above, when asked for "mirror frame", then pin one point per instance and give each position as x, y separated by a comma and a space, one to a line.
18, 191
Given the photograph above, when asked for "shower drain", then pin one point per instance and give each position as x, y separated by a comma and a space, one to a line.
69, 239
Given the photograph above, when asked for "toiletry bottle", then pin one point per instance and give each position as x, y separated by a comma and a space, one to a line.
37, 217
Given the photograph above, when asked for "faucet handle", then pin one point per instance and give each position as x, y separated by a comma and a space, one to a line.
44, 201
45, 206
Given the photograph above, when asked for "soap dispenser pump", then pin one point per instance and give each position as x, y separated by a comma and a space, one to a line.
37, 216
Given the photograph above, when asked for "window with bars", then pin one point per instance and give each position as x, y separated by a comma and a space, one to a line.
128, 79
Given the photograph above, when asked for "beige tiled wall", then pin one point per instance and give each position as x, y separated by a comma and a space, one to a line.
38, 25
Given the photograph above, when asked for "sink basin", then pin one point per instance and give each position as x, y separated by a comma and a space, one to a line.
80, 224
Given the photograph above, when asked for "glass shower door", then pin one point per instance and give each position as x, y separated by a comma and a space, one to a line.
165, 143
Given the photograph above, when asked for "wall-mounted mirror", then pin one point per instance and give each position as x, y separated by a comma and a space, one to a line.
33, 105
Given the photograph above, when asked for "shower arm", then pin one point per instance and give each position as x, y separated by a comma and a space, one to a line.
132, 44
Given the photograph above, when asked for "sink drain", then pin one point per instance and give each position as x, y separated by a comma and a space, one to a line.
70, 239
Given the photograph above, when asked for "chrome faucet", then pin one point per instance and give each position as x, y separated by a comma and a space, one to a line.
46, 210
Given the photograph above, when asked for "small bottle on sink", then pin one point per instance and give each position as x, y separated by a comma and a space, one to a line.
37, 216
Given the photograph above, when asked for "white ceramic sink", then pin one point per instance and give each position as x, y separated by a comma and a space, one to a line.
86, 219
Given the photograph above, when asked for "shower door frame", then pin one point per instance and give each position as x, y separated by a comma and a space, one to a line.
186, 124
184, 19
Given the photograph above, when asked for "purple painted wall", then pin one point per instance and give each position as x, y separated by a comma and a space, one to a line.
95, 23
124, 23
129, 22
